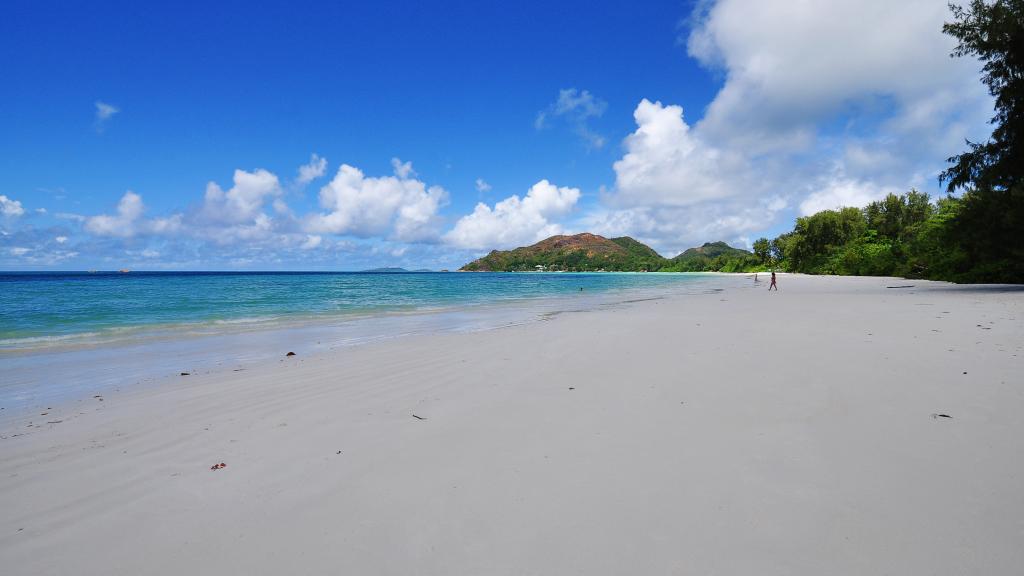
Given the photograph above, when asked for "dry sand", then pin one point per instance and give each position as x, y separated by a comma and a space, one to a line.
732, 433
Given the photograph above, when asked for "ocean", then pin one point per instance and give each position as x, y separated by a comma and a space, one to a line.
57, 308
63, 333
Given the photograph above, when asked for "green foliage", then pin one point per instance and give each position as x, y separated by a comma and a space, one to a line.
994, 33
868, 255
905, 236
762, 249
640, 256
931, 252
896, 216
985, 232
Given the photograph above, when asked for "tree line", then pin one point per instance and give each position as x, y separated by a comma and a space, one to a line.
901, 235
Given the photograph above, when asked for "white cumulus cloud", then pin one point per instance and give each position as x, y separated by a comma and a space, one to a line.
10, 206
129, 221
244, 201
398, 207
674, 190
514, 221
667, 164
793, 65
316, 168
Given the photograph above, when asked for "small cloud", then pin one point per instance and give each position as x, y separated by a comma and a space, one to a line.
18, 251
581, 102
482, 186
10, 206
129, 209
575, 107
402, 169
316, 168
60, 239
128, 221
104, 112
57, 193
312, 241
40, 210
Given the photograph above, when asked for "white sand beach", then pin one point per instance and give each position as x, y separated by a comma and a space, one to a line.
740, 432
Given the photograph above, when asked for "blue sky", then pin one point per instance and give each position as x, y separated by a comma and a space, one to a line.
172, 136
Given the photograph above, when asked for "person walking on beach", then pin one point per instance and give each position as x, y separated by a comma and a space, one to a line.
773, 284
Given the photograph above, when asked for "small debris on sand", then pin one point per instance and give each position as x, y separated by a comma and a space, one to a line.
184, 373
290, 354
218, 466
941, 416
571, 388
902, 286
418, 417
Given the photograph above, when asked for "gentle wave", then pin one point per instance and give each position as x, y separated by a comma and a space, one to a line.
30, 340
253, 320
77, 309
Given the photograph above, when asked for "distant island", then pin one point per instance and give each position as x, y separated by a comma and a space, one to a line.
591, 253
395, 270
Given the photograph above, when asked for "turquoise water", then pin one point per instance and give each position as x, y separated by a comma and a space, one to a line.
69, 336
44, 309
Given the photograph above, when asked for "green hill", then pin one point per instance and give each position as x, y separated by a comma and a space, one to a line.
711, 250
713, 256
581, 252
640, 252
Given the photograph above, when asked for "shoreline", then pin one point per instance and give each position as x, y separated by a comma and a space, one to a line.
157, 358
725, 432
284, 318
